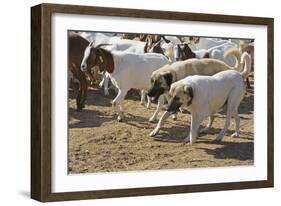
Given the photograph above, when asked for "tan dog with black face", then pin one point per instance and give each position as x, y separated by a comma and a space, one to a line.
206, 95
162, 78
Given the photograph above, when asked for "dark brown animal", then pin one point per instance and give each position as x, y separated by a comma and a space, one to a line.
153, 48
153, 43
184, 52
142, 37
76, 47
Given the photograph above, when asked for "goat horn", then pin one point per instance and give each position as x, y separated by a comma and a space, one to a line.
92, 43
100, 45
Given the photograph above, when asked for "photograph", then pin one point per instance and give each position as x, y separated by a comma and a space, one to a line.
134, 102
144, 102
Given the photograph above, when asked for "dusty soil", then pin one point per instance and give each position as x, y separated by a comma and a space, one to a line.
98, 143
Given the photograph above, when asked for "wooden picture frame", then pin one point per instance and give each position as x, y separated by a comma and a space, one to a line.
41, 118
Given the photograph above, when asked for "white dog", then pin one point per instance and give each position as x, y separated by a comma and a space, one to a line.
206, 95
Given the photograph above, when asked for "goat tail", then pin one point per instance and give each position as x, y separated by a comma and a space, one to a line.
246, 61
236, 53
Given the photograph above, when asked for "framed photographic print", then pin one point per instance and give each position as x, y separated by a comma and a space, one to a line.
130, 102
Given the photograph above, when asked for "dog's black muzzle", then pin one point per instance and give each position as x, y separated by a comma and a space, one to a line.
173, 105
155, 93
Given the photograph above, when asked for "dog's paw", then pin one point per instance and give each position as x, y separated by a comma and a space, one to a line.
119, 119
151, 119
154, 132
235, 134
174, 117
148, 105
220, 135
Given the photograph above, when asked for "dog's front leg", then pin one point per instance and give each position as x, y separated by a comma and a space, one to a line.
160, 122
159, 107
143, 94
148, 102
194, 127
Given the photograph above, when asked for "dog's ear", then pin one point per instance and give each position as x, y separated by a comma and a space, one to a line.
168, 78
171, 91
188, 90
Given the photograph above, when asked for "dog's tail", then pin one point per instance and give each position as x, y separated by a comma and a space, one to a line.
246, 61
236, 53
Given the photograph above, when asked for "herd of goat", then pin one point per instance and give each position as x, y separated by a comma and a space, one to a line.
203, 74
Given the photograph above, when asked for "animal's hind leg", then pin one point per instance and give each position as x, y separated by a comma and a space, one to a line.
226, 126
237, 125
105, 85
82, 93
233, 102
117, 103
210, 123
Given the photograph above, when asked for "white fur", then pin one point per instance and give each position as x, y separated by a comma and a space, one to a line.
132, 70
169, 48
217, 52
210, 93
116, 44
207, 43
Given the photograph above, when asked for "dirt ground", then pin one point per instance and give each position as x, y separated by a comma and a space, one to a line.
98, 143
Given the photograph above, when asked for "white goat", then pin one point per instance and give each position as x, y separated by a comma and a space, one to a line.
133, 71
207, 43
126, 70
217, 52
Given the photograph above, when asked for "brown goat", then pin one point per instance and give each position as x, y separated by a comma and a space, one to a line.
76, 47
